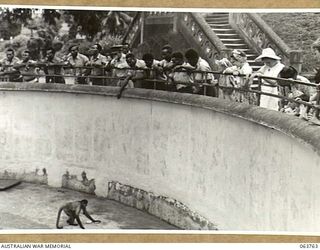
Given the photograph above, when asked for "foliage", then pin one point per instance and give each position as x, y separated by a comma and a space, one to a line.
93, 23
38, 30
51, 16
108, 40
299, 31
19, 43
116, 22
12, 20
17, 15
88, 20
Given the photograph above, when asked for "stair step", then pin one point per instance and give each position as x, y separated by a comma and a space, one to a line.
211, 22
232, 40
253, 62
219, 31
218, 14
220, 25
245, 50
228, 35
237, 46
217, 18
249, 52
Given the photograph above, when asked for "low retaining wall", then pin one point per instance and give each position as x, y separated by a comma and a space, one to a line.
219, 165
168, 209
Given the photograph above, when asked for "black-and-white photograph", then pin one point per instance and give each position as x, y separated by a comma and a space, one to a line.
159, 119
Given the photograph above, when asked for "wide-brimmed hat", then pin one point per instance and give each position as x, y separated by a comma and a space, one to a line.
268, 53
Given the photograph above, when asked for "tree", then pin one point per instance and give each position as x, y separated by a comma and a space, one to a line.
93, 22
117, 22
50, 16
12, 20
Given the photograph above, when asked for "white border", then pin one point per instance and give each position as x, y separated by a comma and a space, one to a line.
176, 9
146, 9
152, 232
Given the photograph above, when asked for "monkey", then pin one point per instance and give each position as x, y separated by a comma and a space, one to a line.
73, 210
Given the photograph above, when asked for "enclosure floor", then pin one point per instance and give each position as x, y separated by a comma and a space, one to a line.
30, 206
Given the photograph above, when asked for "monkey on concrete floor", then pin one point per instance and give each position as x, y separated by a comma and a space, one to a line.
73, 210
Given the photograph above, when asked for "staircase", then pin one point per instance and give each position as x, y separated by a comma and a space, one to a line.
219, 22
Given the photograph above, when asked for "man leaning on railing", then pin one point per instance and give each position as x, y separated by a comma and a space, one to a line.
52, 67
77, 61
98, 62
179, 77
27, 68
295, 91
200, 72
8, 72
134, 73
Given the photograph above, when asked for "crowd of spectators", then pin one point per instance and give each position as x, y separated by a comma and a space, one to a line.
184, 72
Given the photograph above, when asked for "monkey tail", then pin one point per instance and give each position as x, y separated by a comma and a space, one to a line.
58, 218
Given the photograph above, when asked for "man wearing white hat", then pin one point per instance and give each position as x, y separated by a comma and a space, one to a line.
272, 67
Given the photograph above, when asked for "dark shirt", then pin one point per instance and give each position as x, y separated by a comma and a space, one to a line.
53, 69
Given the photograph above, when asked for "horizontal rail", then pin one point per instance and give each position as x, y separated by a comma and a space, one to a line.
203, 82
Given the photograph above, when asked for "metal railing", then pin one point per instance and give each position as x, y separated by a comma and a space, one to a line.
207, 81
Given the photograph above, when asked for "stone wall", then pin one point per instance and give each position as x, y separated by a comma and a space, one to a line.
239, 167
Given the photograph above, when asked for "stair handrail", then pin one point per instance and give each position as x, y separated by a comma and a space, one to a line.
207, 30
259, 35
194, 27
128, 37
284, 48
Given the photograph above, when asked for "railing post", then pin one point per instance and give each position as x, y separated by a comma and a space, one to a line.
317, 111
175, 22
142, 27
295, 59
259, 88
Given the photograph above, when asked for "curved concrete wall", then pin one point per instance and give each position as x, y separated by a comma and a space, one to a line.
241, 167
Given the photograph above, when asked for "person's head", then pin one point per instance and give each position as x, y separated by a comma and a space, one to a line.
192, 57
50, 52
96, 49
73, 50
270, 62
10, 54
148, 59
131, 59
116, 51
25, 55
238, 58
288, 72
166, 52
177, 58
268, 57
125, 48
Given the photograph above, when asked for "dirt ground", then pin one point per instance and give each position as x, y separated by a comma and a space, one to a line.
29, 206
